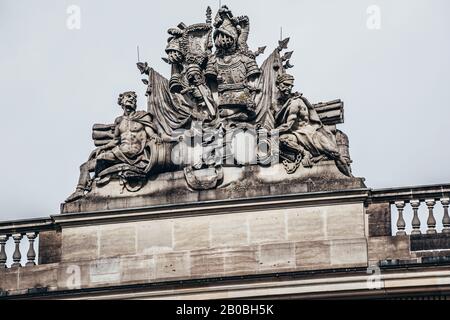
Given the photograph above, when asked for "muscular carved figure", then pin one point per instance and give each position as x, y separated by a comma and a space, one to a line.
302, 131
132, 133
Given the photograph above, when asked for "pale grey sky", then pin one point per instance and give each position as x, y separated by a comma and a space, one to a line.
56, 83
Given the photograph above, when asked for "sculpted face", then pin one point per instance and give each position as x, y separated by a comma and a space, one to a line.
286, 87
224, 41
128, 101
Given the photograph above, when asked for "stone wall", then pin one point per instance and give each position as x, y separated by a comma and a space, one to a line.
315, 238
276, 237
228, 244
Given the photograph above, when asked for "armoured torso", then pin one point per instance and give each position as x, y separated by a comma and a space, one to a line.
231, 72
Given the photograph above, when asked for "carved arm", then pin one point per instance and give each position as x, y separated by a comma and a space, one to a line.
285, 127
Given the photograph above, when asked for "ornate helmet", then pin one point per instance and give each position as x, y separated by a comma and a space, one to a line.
225, 23
228, 28
174, 44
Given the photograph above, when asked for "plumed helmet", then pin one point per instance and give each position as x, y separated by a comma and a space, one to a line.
229, 28
174, 42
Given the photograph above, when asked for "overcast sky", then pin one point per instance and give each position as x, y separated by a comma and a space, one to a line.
55, 83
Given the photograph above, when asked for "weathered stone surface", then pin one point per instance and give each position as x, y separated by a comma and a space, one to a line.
117, 240
140, 269
207, 263
385, 248
236, 243
49, 247
105, 271
348, 252
276, 256
344, 221
229, 230
191, 233
425, 242
331, 254
79, 244
379, 219
154, 236
9, 279
240, 182
306, 224
313, 254
172, 265
431, 254
267, 226
241, 260
42, 276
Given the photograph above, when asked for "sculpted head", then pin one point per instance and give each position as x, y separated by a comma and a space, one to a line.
128, 101
174, 52
285, 84
227, 30
223, 40
174, 56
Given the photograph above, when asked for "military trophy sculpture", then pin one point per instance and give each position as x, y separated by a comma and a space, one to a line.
221, 121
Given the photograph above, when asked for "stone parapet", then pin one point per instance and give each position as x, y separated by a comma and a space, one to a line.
334, 236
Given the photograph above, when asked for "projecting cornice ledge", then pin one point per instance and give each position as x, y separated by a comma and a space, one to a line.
212, 207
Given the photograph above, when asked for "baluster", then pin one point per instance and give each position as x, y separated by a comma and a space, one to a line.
415, 204
17, 256
3, 257
446, 220
31, 255
401, 224
431, 220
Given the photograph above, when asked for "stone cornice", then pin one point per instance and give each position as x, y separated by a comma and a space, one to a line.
410, 193
200, 208
22, 226
211, 207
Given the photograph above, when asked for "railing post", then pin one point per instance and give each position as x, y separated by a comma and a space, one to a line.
17, 256
446, 220
415, 204
3, 257
431, 220
401, 224
31, 255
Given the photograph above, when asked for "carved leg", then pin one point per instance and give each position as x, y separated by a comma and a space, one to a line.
83, 181
307, 159
291, 144
343, 166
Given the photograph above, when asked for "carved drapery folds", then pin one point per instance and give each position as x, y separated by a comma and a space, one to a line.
218, 109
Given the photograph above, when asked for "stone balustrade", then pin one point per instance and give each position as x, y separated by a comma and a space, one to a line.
417, 210
21, 236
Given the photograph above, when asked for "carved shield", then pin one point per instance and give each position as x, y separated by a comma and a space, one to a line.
197, 43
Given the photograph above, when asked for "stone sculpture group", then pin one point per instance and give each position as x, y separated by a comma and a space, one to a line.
218, 109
